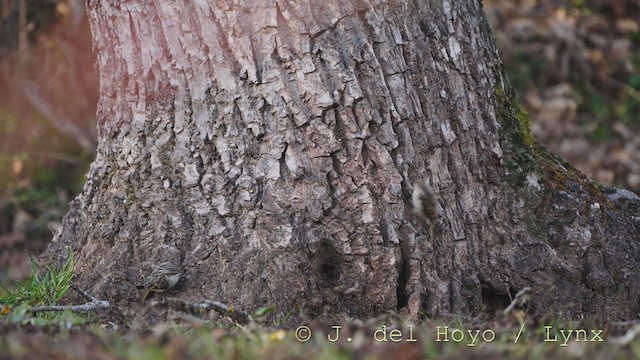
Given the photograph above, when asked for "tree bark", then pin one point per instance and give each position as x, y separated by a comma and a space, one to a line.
270, 147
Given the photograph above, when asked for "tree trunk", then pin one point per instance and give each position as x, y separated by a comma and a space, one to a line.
270, 147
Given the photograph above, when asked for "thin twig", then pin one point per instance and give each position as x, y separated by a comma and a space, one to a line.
522, 297
91, 305
237, 316
628, 337
82, 292
101, 304
630, 91
61, 121
621, 324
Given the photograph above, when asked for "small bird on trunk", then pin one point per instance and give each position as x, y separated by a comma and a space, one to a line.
163, 278
423, 200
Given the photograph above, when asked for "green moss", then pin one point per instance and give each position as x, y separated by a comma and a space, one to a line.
524, 156
515, 132
559, 175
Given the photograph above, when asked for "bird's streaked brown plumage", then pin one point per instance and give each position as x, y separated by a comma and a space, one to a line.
423, 200
163, 278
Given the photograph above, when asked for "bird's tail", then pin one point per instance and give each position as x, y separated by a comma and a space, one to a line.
145, 294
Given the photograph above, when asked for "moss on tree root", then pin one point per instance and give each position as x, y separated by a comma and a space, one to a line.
515, 133
524, 156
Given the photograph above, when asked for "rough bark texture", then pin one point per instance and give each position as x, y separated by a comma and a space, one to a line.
270, 147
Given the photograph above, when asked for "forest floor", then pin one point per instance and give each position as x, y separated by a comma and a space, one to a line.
167, 328
576, 67
517, 335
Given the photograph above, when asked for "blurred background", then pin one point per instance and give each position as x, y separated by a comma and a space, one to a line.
574, 63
